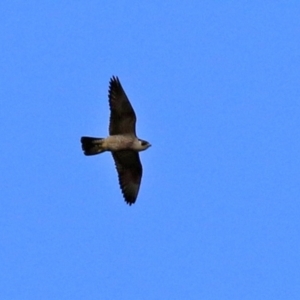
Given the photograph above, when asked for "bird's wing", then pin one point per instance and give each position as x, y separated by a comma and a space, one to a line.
122, 115
130, 172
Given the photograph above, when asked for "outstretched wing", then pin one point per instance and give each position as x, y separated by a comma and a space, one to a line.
130, 172
122, 115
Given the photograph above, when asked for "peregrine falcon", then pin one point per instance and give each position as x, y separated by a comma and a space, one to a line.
122, 142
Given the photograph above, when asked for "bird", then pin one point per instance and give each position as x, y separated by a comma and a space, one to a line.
122, 142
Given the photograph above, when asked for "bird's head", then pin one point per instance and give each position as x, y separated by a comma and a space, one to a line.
144, 145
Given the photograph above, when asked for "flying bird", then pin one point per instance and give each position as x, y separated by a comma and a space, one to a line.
122, 142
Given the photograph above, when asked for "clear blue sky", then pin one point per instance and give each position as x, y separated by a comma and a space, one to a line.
216, 89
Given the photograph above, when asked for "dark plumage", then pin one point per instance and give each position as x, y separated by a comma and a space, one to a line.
122, 142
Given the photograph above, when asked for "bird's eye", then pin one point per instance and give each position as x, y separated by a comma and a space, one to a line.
143, 143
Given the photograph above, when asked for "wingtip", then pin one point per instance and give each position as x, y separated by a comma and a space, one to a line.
114, 79
129, 203
114, 83
129, 200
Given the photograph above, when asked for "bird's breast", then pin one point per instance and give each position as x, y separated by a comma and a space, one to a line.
119, 142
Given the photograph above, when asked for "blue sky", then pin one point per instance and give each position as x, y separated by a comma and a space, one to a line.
215, 86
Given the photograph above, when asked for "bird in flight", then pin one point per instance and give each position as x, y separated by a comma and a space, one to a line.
122, 142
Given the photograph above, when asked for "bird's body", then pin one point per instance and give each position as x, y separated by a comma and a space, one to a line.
112, 143
122, 142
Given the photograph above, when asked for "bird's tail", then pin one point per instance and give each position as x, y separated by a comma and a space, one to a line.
92, 146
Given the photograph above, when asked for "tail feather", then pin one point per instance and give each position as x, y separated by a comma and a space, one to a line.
92, 146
